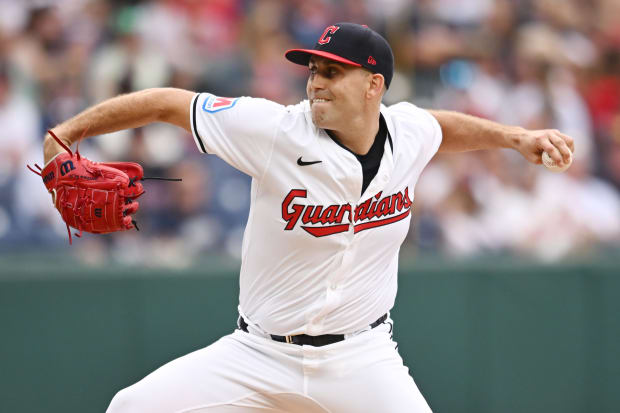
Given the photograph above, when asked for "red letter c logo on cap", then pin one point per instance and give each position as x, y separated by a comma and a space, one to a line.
325, 38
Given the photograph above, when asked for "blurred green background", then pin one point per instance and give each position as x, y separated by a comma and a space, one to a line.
493, 335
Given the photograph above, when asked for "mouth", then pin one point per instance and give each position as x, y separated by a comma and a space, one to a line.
313, 101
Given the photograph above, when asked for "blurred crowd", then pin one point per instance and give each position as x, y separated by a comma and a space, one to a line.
533, 63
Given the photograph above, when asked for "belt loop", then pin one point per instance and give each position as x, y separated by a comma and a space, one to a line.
243, 326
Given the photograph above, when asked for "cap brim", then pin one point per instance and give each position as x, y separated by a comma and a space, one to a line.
302, 56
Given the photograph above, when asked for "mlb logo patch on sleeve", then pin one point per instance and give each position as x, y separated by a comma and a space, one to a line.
214, 103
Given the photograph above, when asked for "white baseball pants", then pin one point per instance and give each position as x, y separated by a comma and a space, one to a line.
244, 372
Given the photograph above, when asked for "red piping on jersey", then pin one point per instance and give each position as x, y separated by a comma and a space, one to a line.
323, 231
381, 222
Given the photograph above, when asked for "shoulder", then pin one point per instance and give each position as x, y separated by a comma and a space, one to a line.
212, 104
298, 116
301, 108
412, 124
300, 111
405, 115
408, 112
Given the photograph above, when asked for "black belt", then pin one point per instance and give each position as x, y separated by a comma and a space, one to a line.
316, 341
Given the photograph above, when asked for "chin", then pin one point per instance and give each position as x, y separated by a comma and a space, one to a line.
320, 119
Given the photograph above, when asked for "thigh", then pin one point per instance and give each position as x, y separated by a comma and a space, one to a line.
238, 373
367, 375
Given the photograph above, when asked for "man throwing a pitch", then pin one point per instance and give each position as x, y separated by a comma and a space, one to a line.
333, 181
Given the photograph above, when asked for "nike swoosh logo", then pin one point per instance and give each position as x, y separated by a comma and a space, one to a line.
304, 163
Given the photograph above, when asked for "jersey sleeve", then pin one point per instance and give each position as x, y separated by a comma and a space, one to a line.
240, 130
425, 127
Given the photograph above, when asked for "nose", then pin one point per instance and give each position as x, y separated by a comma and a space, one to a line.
316, 82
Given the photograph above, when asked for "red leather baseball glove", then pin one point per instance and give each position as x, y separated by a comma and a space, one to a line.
95, 197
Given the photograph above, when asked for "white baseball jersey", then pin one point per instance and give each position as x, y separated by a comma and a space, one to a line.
319, 257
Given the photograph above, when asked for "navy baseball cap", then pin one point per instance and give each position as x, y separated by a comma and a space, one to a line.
353, 44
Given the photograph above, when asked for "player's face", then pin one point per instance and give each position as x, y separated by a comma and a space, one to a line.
336, 92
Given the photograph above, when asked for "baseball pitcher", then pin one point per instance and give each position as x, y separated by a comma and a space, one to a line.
333, 181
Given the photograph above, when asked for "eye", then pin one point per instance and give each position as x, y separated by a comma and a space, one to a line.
312, 69
333, 71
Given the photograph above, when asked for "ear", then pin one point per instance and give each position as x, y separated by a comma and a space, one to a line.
375, 85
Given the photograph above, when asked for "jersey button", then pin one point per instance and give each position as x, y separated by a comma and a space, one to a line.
333, 286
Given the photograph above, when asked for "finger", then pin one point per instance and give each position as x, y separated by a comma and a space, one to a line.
533, 157
569, 141
550, 148
562, 147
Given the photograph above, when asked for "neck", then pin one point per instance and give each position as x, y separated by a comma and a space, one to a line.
359, 133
